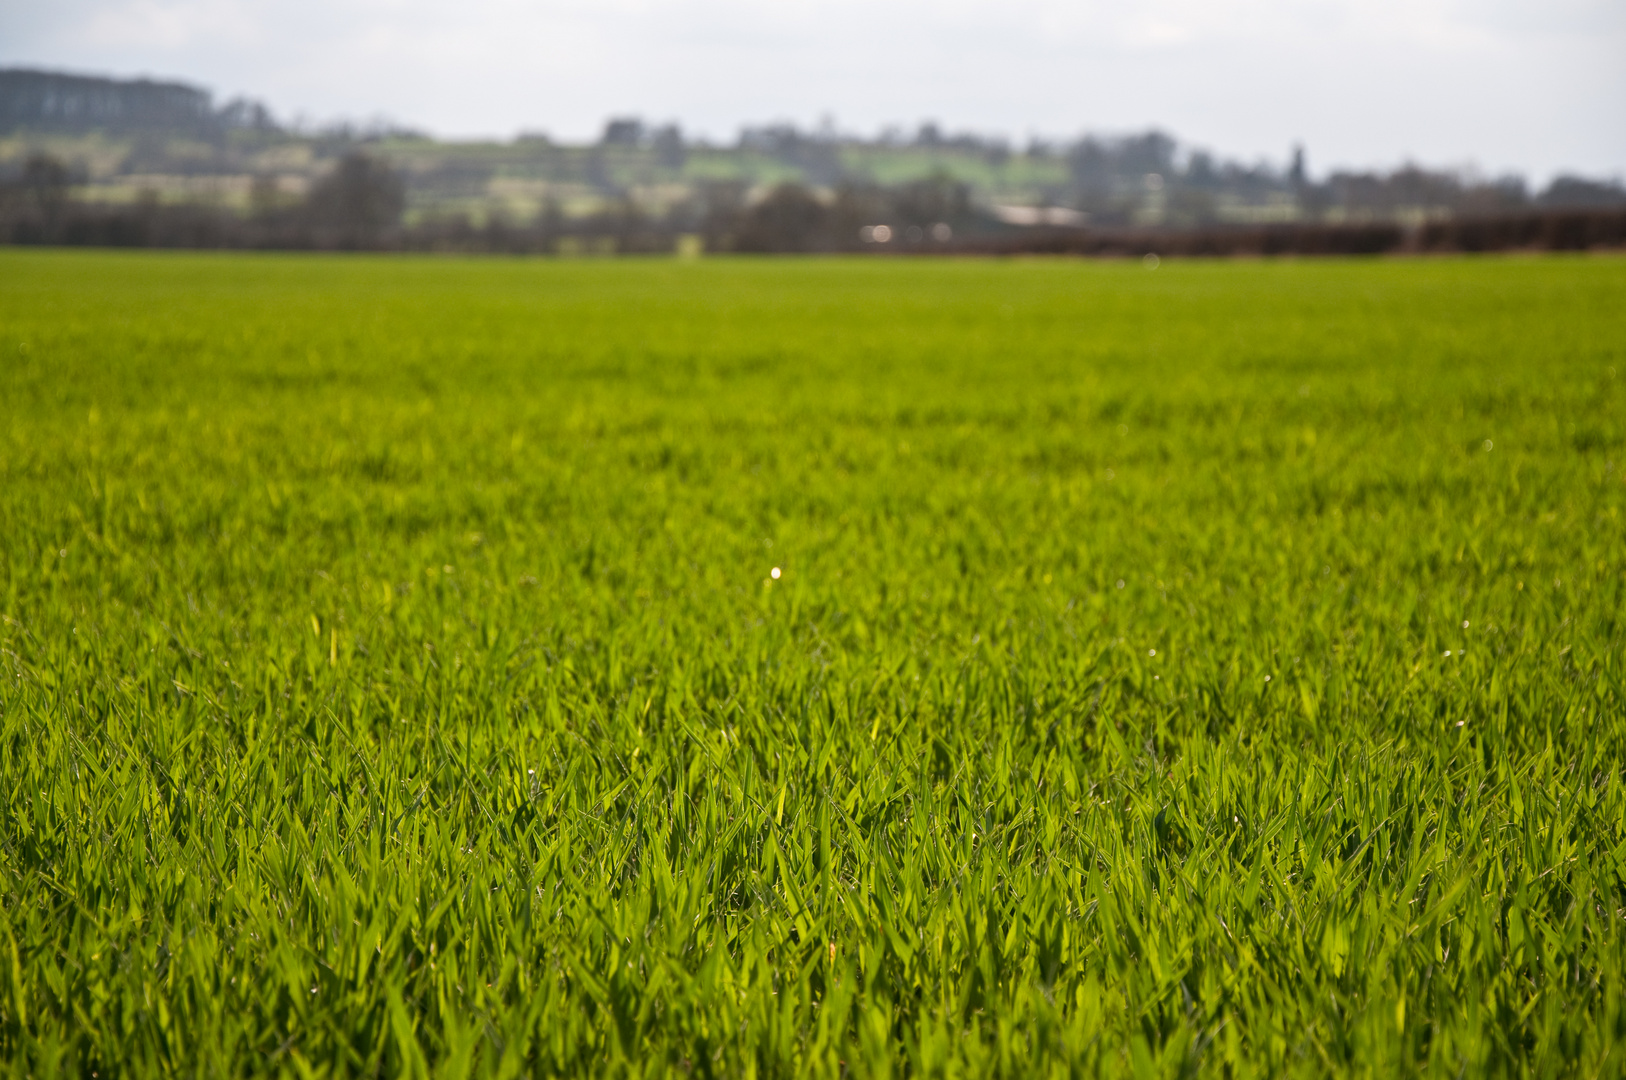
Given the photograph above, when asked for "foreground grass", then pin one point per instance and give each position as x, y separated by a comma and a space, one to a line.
1216, 668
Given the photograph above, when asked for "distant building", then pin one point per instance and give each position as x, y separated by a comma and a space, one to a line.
49, 101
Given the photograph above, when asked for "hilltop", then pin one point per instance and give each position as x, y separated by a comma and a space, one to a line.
123, 141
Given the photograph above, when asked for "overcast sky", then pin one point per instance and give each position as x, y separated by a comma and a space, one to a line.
1534, 86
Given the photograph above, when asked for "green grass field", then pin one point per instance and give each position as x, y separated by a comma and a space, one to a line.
1213, 669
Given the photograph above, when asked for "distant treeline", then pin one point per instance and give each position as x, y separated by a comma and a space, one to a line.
1148, 179
170, 134
1151, 179
358, 206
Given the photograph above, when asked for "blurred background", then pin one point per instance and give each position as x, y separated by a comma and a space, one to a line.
690, 125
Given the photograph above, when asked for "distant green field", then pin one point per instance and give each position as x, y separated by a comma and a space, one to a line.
1213, 669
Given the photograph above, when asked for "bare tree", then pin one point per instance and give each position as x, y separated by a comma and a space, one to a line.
357, 203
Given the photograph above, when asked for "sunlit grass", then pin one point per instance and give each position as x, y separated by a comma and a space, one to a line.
1212, 668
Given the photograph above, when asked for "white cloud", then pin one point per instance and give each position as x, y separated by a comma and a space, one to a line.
1505, 83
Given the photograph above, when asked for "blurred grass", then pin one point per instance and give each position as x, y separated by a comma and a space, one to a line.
1215, 668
